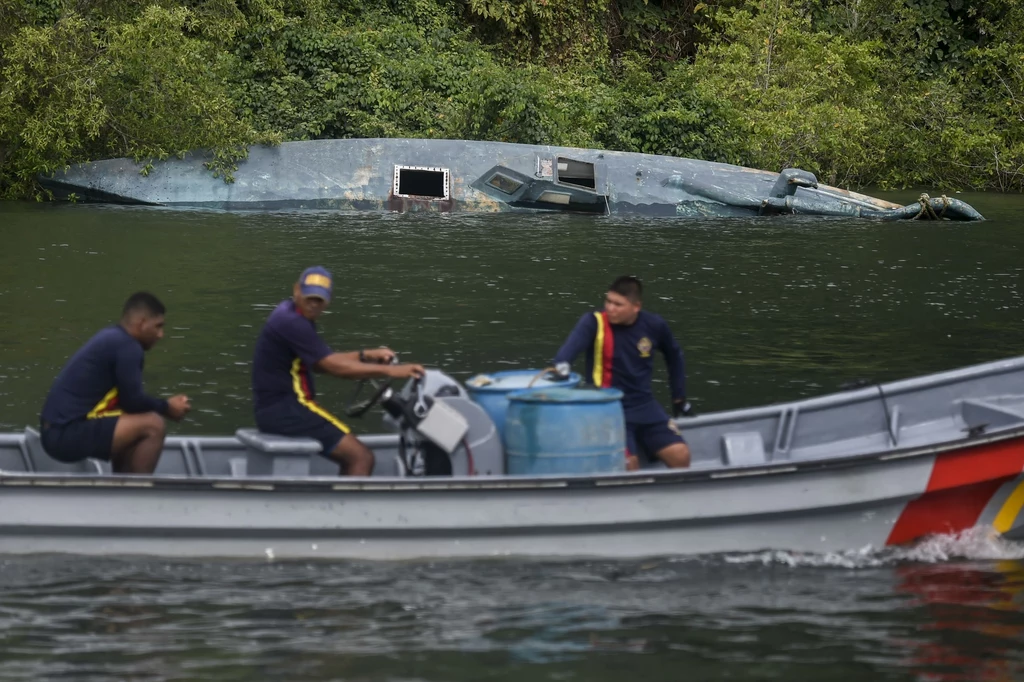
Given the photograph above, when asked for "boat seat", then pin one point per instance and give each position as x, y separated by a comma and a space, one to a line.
743, 448
984, 414
43, 463
271, 455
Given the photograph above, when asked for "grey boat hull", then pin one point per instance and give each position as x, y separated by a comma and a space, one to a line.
480, 177
813, 512
877, 466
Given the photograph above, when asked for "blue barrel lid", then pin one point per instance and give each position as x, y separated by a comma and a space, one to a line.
566, 395
516, 380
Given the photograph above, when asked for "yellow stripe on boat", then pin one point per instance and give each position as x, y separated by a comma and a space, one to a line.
1010, 509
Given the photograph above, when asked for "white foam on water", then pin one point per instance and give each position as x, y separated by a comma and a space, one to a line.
861, 558
981, 543
978, 544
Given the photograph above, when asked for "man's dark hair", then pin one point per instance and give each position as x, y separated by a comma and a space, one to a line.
143, 302
628, 286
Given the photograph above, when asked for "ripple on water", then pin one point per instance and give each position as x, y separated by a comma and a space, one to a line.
766, 310
885, 611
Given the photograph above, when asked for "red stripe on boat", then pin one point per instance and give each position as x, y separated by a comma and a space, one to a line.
961, 485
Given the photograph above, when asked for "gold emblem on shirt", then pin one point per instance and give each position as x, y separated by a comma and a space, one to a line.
644, 346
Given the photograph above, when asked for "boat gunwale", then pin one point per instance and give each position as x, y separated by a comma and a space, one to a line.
473, 484
869, 392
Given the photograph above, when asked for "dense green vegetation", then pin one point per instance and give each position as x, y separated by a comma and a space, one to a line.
894, 92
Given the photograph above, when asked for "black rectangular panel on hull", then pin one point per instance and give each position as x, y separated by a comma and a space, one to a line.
421, 182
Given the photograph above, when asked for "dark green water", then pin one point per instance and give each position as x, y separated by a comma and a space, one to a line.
766, 310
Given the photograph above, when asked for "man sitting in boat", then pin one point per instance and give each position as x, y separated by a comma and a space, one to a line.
96, 407
620, 342
282, 384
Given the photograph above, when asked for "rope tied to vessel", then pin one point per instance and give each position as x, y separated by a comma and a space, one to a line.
540, 375
927, 210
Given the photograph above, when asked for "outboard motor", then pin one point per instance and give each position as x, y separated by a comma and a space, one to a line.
442, 432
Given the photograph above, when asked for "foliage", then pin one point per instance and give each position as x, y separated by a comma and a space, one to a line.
799, 97
952, 87
74, 90
896, 92
674, 114
661, 30
561, 30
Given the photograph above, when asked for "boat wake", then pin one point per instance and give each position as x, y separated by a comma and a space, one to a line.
975, 544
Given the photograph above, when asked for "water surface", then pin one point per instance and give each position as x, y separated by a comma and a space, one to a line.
766, 310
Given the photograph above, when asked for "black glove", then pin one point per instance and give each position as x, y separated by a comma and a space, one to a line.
683, 408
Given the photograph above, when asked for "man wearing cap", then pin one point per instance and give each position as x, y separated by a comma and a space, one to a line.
620, 342
287, 349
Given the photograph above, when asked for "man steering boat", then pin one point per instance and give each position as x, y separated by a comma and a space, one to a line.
289, 350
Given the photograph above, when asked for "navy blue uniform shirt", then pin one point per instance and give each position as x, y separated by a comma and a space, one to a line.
102, 379
622, 357
286, 351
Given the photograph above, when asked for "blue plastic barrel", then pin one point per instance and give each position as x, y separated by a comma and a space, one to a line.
565, 431
491, 391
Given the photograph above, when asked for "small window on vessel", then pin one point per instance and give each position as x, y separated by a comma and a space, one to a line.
554, 198
579, 173
421, 181
504, 183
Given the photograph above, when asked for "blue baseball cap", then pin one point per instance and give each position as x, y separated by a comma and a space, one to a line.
316, 281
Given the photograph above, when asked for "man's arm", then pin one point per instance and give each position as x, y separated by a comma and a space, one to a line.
348, 366
581, 336
676, 366
128, 376
312, 350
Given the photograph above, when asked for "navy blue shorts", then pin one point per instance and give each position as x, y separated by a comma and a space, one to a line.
80, 439
648, 439
289, 418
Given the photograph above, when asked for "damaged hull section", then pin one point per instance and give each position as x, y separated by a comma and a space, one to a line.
454, 175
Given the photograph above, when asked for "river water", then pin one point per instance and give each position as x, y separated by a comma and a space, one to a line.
766, 310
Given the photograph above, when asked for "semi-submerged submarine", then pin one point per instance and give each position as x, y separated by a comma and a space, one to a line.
407, 175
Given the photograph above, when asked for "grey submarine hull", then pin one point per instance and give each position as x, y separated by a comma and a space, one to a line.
480, 177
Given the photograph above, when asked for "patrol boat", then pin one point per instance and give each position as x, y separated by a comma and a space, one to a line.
877, 465
480, 177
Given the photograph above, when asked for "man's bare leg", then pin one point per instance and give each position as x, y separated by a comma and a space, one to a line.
676, 456
354, 458
138, 442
